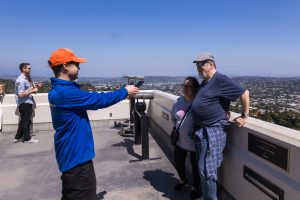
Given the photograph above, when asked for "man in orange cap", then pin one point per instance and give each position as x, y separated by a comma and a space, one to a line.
73, 139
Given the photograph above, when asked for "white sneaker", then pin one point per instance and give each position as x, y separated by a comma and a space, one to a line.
17, 140
31, 141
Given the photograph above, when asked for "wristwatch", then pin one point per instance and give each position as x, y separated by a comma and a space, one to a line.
244, 115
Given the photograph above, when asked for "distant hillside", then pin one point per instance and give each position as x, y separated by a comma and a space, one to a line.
164, 79
14, 77
265, 78
9, 85
9, 77
149, 79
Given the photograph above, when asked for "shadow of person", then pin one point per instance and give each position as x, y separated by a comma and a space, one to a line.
17, 112
164, 182
100, 195
128, 143
32, 116
1, 97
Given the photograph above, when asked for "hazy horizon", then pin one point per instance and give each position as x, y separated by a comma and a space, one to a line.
16, 72
195, 75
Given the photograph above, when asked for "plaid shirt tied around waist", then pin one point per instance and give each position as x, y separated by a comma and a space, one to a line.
216, 139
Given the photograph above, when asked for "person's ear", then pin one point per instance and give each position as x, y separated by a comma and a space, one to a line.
65, 65
65, 68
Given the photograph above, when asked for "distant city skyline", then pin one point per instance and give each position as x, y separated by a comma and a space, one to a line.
154, 37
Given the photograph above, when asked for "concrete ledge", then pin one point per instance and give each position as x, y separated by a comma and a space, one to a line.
12, 128
47, 126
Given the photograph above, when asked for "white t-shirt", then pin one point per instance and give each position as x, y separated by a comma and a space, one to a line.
187, 126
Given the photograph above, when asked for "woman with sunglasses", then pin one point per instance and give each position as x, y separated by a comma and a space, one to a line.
185, 145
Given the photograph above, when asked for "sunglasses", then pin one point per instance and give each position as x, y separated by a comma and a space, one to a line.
74, 63
187, 86
200, 64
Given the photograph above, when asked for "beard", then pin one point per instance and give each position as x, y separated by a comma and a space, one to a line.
74, 77
27, 74
202, 75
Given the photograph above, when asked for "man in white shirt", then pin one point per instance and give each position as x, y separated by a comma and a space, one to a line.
24, 89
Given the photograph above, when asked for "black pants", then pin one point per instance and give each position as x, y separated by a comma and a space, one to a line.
79, 183
179, 158
23, 132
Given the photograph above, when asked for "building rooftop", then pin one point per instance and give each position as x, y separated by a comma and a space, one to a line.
261, 158
30, 172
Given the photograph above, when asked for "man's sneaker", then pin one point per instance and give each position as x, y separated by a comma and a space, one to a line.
31, 141
17, 140
32, 134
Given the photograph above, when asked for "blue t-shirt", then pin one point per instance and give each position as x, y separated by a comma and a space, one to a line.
22, 85
213, 99
73, 139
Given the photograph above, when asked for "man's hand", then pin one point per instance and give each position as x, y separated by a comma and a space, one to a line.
245, 101
28, 92
132, 90
34, 90
240, 121
39, 85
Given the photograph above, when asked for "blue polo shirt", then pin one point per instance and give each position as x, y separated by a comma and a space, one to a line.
22, 84
73, 139
213, 99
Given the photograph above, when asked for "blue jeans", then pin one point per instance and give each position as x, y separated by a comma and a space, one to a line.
209, 184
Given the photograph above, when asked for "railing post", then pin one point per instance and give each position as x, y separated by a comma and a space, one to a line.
131, 109
141, 123
127, 126
145, 136
137, 128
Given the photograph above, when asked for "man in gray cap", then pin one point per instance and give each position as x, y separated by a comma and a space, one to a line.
209, 112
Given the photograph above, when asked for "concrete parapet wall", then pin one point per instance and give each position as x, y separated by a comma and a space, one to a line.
160, 109
237, 155
10, 113
42, 117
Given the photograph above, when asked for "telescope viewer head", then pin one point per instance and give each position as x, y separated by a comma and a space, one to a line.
135, 77
144, 96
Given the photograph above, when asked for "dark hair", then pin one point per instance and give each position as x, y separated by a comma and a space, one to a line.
56, 69
23, 65
193, 80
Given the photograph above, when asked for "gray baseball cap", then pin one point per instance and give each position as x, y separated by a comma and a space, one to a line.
203, 57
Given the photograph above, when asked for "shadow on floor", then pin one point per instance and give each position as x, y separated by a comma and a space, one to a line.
100, 195
128, 143
164, 182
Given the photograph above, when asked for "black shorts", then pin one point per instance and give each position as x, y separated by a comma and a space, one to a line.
79, 183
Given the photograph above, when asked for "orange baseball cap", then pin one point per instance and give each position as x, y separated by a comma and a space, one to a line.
64, 55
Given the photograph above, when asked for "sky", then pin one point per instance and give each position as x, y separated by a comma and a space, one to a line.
153, 37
